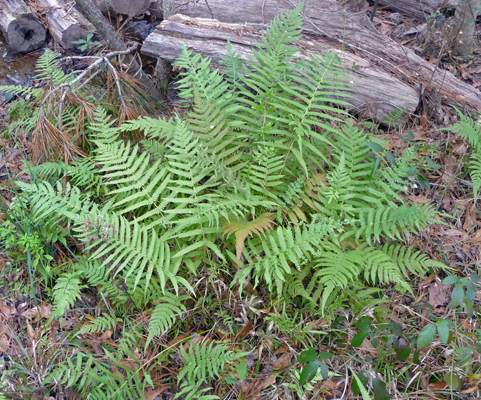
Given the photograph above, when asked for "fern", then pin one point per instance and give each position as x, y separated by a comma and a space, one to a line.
475, 171
66, 292
205, 361
390, 221
164, 315
468, 129
100, 324
193, 391
262, 158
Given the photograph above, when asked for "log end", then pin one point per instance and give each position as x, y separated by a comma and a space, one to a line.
72, 34
25, 33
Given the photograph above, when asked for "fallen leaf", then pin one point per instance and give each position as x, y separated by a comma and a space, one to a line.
106, 335
422, 199
251, 388
154, 393
449, 164
30, 331
178, 339
368, 347
436, 387
44, 310
438, 294
283, 361
7, 310
244, 332
429, 279
470, 220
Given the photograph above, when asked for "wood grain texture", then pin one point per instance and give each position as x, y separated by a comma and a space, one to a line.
66, 24
418, 9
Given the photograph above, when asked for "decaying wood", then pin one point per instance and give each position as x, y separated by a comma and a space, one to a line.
419, 9
386, 67
66, 24
126, 7
374, 91
20, 26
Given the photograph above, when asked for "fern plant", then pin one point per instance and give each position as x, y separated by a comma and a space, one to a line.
263, 173
470, 130
206, 360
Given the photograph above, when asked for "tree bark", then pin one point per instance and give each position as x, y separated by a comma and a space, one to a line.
418, 9
20, 26
164, 66
465, 17
114, 41
65, 23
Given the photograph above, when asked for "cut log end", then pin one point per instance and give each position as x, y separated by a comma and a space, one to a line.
25, 34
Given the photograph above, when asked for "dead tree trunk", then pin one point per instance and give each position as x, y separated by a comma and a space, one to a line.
65, 23
20, 26
419, 9
386, 75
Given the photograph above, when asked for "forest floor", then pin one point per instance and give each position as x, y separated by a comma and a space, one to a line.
449, 368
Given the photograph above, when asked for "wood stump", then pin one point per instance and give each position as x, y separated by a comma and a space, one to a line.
20, 26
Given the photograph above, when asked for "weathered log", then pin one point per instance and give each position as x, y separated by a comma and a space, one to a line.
66, 24
126, 7
419, 9
336, 24
20, 26
374, 91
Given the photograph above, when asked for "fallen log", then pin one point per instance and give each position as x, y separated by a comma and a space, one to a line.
20, 26
418, 9
342, 25
126, 7
66, 24
374, 92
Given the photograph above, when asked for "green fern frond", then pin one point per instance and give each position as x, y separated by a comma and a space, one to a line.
101, 129
46, 68
468, 129
205, 361
197, 73
165, 314
271, 259
379, 267
390, 221
139, 182
193, 391
65, 293
100, 324
475, 172
334, 269
310, 90
407, 259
